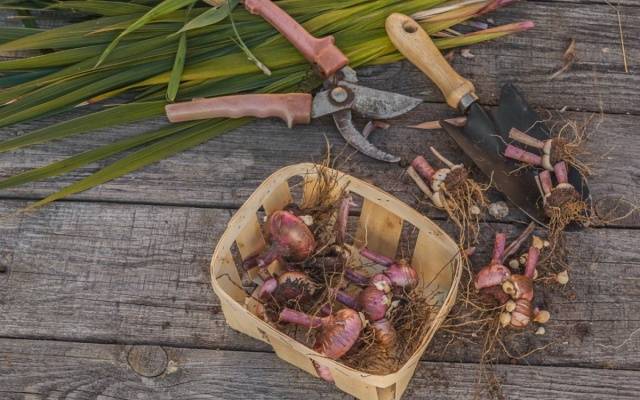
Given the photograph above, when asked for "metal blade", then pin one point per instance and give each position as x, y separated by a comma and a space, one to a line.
357, 140
515, 112
380, 104
369, 103
479, 140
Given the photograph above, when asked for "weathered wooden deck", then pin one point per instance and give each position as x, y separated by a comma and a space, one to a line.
106, 295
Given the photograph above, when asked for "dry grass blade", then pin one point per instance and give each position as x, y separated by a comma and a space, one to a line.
624, 51
569, 57
250, 56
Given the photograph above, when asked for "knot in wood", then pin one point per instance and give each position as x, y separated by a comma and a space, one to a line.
148, 361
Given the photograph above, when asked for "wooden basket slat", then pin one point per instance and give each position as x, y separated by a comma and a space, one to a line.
387, 393
278, 198
344, 382
286, 352
436, 276
250, 239
228, 277
379, 229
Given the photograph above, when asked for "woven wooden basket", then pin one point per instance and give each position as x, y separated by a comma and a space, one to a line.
435, 256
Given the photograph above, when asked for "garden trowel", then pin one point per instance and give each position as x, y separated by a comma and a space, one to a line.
485, 135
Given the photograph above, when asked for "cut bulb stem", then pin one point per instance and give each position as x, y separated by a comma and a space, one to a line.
423, 168
545, 182
521, 155
300, 318
422, 185
341, 221
532, 262
498, 248
376, 258
560, 170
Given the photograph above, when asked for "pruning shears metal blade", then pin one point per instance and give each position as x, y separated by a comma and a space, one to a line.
367, 102
479, 140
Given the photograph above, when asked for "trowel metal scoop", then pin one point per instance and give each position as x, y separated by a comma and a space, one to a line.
485, 136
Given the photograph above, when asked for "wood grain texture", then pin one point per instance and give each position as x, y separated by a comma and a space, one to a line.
47, 370
138, 274
225, 171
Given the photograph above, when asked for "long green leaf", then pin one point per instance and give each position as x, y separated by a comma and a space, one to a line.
106, 8
126, 113
18, 78
74, 35
210, 17
190, 137
9, 33
197, 134
178, 66
9, 114
117, 115
165, 7
82, 159
54, 59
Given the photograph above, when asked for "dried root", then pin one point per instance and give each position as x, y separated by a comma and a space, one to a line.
566, 144
476, 321
452, 190
411, 318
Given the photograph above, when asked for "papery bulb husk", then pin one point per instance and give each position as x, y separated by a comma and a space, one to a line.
338, 334
295, 285
491, 275
558, 151
381, 282
373, 302
265, 289
455, 179
385, 333
562, 195
521, 316
289, 234
523, 287
402, 274
495, 293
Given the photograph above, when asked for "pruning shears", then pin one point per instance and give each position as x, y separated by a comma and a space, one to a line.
340, 95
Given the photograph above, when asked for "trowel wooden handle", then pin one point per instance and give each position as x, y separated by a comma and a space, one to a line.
322, 53
416, 45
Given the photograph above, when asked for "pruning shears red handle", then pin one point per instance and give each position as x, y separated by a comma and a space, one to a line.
293, 108
341, 94
322, 53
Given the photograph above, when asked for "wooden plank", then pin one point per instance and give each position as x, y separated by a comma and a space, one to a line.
46, 369
138, 274
530, 58
225, 171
